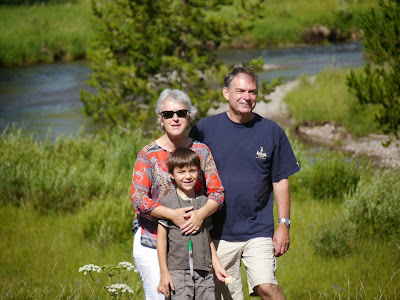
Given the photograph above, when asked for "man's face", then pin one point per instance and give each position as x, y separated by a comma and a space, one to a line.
242, 94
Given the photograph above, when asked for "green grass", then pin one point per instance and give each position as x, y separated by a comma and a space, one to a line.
41, 256
288, 22
62, 32
43, 250
364, 272
65, 203
326, 99
44, 33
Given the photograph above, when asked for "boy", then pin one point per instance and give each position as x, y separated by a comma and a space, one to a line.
185, 276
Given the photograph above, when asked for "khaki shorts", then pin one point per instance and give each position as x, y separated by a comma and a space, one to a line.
258, 258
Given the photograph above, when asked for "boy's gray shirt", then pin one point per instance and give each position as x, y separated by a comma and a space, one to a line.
178, 252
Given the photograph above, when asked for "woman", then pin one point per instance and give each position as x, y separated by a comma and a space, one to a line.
151, 181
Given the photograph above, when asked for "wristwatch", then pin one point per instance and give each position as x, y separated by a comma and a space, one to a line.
285, 221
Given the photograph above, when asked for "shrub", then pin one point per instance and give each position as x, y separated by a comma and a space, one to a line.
130, 69
371, 211
374, 208
329, 175
108, 220
380, 84
332, 238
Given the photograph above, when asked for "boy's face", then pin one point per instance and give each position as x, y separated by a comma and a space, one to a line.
185, 177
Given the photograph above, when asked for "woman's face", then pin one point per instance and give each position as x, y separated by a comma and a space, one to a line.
176, 125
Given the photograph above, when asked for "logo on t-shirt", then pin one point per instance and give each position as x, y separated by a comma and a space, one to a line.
261, 154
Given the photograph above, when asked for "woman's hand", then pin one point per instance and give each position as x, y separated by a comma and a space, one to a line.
178, 216
194, 221
195, 218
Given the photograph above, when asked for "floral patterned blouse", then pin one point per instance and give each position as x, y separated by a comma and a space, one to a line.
150, 182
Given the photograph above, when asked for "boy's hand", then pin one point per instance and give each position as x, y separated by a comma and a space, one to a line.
165, 284
221, 273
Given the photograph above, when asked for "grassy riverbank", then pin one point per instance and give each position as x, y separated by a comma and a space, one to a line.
44, 33
306, 21
62, 32
325, 98
66, 203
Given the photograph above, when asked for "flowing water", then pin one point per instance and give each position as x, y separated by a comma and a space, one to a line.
46, 97
295, 61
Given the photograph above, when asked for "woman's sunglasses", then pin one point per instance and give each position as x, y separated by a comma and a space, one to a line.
168, 114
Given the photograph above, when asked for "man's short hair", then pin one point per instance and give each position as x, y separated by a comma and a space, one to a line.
183, 157
238, 70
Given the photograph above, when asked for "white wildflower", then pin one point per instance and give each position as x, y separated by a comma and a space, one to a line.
127, 265
119, 288
90, 268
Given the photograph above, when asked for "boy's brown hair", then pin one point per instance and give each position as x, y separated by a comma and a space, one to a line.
183, 157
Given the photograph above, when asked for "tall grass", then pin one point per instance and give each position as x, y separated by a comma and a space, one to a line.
44, 33
326, 98
65, 174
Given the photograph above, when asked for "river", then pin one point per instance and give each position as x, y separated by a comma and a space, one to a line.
44, 97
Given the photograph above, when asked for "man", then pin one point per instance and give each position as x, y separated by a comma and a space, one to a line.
254, 159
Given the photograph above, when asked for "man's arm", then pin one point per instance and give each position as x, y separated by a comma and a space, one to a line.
282, 199
165, 280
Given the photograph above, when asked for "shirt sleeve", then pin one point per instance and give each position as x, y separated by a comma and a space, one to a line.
208, 221
164, 223
284, 162
215, 190
140, 188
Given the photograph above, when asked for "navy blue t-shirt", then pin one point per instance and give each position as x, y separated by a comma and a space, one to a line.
249, 157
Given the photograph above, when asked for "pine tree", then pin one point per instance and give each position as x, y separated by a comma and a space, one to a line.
145, 46
379, 84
